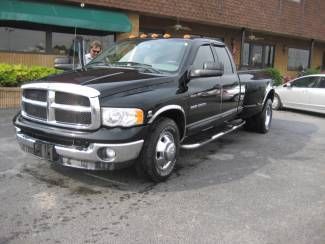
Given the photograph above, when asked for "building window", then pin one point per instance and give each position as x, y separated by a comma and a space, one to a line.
62, 42
37, 41
257, 55
298, 59
323, 62
22, 40
245, 55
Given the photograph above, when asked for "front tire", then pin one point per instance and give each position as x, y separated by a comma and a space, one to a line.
160, 150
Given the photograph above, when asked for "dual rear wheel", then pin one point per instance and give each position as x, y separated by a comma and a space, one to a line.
262, 121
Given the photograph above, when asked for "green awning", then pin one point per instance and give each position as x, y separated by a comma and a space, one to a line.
64, 15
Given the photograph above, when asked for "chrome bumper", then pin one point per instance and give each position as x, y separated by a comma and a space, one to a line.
76, 157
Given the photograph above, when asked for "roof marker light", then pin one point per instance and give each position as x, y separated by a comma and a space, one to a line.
143, 36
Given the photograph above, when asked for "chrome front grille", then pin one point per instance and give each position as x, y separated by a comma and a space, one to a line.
73, 117
71, 99
37, 95
50, 103
34, 110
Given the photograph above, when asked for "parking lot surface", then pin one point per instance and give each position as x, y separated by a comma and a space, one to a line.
243, 188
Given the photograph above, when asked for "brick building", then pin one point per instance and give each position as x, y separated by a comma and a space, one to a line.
285, 34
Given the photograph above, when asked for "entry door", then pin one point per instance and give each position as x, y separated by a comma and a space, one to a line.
204, 93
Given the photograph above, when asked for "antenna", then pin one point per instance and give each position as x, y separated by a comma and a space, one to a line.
74, 48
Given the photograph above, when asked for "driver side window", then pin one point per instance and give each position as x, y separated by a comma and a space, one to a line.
204, 54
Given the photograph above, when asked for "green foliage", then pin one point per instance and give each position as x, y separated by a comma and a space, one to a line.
276, 76
312, 71
15, 75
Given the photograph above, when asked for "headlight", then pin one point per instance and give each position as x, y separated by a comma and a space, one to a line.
125, 117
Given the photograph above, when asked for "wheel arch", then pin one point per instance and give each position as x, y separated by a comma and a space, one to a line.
174, 112
270, 93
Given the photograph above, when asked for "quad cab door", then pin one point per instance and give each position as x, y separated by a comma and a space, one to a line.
229, 83
204, 93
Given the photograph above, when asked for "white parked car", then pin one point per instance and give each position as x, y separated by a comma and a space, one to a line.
304, 93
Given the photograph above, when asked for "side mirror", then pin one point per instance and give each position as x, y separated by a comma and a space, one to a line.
209, 69
63, 63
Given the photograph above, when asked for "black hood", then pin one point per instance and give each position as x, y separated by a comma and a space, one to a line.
109, 81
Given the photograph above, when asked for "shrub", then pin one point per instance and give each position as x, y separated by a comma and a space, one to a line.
312, 71
276, 76
15, 75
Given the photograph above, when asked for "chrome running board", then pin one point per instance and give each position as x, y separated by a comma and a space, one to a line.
214, 137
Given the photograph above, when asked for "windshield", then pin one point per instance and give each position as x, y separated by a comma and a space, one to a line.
159, 55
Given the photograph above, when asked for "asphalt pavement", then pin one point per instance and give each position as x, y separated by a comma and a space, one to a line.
243, 188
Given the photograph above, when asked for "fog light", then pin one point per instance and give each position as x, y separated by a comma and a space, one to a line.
110, 153
106, 154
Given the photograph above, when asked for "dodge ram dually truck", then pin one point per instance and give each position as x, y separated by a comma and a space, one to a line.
139, 102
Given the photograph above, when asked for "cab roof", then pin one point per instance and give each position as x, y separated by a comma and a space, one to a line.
191, 38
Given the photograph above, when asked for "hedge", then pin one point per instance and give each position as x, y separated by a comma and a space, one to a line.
276, 76
15, 75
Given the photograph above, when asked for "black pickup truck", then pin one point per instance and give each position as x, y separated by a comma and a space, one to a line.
139, 102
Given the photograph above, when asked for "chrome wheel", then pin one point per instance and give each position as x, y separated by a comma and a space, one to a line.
268, 116
160, 150
165, 152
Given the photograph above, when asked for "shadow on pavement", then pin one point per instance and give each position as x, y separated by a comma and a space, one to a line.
228, 159
319, 115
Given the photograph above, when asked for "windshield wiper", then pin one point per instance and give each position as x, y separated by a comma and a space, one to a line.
137, 65
98, 63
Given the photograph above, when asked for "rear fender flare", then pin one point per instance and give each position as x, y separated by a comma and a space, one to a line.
269, 93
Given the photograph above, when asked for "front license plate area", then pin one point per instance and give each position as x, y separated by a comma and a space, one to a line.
44, 150
79, 163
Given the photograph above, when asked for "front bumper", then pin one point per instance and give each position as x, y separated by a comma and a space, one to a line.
90, 157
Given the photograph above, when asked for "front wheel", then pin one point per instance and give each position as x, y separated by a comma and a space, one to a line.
160, 150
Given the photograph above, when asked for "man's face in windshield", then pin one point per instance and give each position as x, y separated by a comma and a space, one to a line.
94, 51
